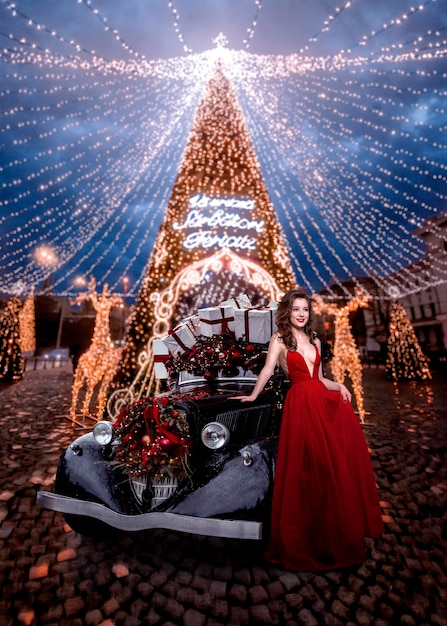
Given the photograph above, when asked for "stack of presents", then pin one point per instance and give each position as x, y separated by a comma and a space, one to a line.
237, 316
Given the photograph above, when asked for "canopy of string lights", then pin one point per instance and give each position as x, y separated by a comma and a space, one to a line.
345, 108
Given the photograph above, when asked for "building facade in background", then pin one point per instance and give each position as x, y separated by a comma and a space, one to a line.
427, 306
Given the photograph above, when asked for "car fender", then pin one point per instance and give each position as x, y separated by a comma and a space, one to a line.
85, 473
244, 483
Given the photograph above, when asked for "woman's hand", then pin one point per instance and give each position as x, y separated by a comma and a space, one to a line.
243, 398
345, 393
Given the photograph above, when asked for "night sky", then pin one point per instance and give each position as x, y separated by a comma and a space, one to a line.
345, 107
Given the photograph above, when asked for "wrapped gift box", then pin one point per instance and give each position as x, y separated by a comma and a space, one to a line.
193, 323
179, 340
255, 325
161, 355
241, 301
215, 320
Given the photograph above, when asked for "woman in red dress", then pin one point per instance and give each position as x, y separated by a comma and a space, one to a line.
324, 499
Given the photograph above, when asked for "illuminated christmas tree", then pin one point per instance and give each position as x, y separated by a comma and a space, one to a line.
346, 360
405, 359
220, 235
11, 362
27, 325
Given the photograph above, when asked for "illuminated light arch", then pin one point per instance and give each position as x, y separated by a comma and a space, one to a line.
165, 300
164, 303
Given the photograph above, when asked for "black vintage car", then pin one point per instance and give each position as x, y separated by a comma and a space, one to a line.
192, 459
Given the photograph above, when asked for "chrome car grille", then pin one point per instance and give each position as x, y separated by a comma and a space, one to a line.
162, 486
249, 421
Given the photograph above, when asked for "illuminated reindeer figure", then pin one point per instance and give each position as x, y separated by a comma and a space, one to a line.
96, 366
346, 358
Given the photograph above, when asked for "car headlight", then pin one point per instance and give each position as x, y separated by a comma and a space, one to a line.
215, 435
103, 433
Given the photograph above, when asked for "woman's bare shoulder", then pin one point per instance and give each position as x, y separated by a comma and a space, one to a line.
277, 343
276, 339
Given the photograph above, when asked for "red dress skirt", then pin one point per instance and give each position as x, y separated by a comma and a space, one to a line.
325, 498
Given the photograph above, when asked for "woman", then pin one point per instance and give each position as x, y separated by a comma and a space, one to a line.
324, 498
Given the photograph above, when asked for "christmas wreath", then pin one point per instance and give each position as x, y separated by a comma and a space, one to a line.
153, 435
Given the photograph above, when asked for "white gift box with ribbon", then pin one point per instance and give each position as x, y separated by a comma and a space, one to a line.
241, 301
215, 320
179, 340
193, 323
161, 355
255, 325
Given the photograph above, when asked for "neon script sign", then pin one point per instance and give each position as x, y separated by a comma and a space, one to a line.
219, 223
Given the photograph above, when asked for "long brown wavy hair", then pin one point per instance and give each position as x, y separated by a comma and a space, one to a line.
283, 318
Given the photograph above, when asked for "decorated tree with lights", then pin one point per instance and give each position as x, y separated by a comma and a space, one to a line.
11, 362
220, 235
346, 359
27, 325
405, 359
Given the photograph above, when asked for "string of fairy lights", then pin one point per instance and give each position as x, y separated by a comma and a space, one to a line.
176, 23
337, 12
350, 147
321, 182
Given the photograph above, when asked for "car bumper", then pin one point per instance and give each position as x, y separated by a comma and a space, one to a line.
234, 529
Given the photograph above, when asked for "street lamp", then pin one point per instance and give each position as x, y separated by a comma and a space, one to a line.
126, 281
45, 256
80, 281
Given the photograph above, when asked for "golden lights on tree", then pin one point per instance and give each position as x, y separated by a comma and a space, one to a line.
405, 359
219, 203
97, 366
346, 360
27, 323
11, 362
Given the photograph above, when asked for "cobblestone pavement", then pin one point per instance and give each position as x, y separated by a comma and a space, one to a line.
51, 575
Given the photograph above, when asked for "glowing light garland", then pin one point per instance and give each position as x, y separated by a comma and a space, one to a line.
252, 29
176, 26
220, 40
350, 145
326, 27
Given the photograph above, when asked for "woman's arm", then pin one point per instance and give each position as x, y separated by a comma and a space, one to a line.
332, 385
271, 361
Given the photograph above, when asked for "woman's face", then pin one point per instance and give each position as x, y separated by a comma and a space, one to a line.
299, 315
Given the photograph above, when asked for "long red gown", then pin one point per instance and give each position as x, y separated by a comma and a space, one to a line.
324, 499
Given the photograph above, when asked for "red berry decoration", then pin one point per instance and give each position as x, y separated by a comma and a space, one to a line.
236, 357
164, 443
